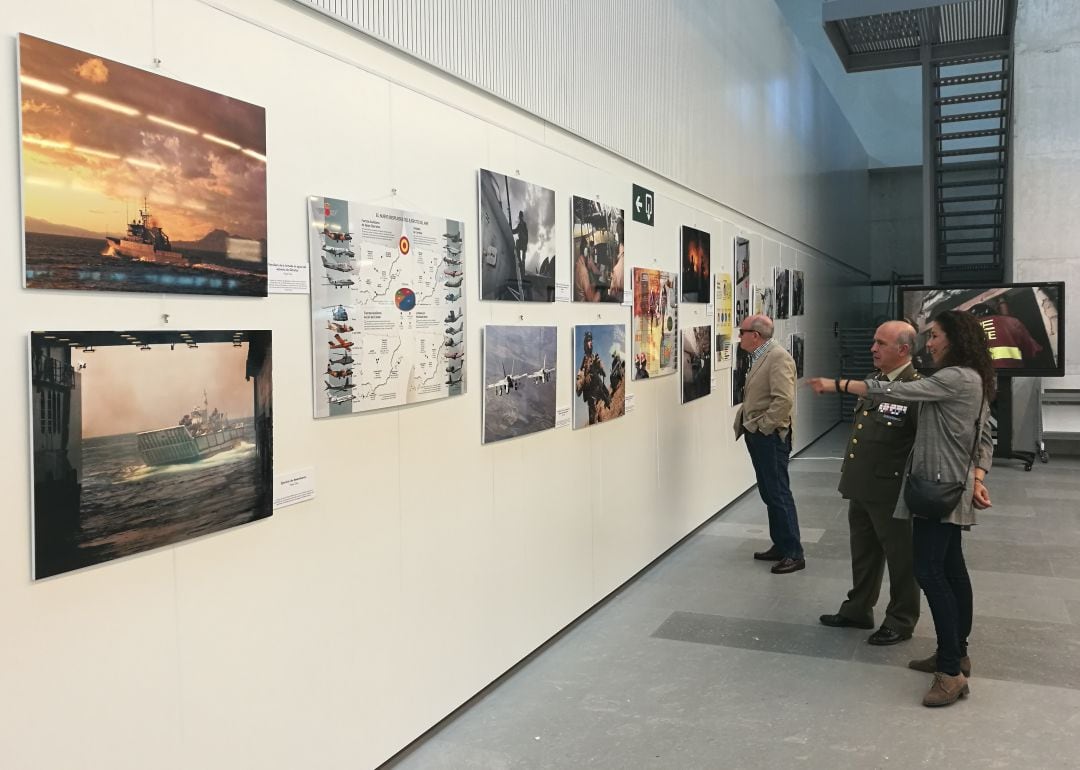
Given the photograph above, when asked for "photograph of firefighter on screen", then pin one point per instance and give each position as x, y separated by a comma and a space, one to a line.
1023, 323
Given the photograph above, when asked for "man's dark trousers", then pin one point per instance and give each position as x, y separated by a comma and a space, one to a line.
878, 539
769, 454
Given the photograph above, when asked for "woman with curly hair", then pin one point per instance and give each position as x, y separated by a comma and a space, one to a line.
952, 444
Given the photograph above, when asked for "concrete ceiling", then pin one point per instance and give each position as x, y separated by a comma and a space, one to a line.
884, 108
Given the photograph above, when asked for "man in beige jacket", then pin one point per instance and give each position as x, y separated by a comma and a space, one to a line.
765, 420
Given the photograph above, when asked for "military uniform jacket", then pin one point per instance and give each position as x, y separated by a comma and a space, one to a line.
882, 434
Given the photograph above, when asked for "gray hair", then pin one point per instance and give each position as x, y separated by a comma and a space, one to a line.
763, 325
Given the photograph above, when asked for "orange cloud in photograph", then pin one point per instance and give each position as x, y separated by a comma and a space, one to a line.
100, 136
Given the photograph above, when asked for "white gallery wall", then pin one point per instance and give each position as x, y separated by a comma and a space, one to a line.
1046, 154
338, 630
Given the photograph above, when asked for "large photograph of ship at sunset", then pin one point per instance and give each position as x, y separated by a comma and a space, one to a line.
144, 439
137, 182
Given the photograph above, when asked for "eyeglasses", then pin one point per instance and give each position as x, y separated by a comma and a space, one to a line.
746, 331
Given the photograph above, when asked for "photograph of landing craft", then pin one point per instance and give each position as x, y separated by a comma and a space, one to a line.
124, 462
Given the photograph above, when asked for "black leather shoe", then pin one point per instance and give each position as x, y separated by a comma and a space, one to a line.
773, 554
885, 636
787, 564
839, 621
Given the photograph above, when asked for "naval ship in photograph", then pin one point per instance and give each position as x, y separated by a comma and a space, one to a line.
145, 242
200, 434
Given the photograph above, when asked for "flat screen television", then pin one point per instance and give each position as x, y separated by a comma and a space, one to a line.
1024, 322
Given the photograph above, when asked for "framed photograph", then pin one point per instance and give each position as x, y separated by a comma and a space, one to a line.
517, 239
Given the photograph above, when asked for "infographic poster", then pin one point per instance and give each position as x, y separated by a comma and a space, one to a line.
387, 307
724, 314
656, 306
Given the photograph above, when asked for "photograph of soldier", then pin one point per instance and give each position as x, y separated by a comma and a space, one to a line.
600, 379
655, 308
1020, 321
517, 239
795, 347
798, 285
696, 363
782, 283
742, 310
599, 251
695, 265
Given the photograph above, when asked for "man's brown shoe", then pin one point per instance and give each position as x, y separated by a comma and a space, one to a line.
773, 554
946, 690
929, 665
787, 564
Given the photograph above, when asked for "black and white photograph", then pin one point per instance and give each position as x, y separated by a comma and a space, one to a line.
743, 298
520, 378
517, 239
696, 362
145, 439
782, 286
795, 348
798, 288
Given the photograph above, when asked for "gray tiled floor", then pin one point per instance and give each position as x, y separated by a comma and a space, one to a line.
708, 661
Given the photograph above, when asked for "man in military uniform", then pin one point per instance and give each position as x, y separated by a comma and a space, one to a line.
590, 380
870, 479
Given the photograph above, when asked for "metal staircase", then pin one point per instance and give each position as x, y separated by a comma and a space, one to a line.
970, 141
964, 49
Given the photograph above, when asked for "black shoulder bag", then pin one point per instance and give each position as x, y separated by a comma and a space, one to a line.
936, 499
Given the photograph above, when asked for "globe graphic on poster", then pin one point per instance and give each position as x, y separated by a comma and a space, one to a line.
405, 299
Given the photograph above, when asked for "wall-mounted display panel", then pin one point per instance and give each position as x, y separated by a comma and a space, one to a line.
798, 292
696, 264
796, 349
696, 362
517, 239
742, 311
143, 439
655, 320
387, 307
137, 182
600, 378
599, 251
782, 287
764, 301
520, 376
723, 318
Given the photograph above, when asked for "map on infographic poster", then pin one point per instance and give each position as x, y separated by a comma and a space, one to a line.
724, 313
387, 314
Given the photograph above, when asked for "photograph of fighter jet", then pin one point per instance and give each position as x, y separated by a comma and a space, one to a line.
600, 377
517, 239
520, 374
